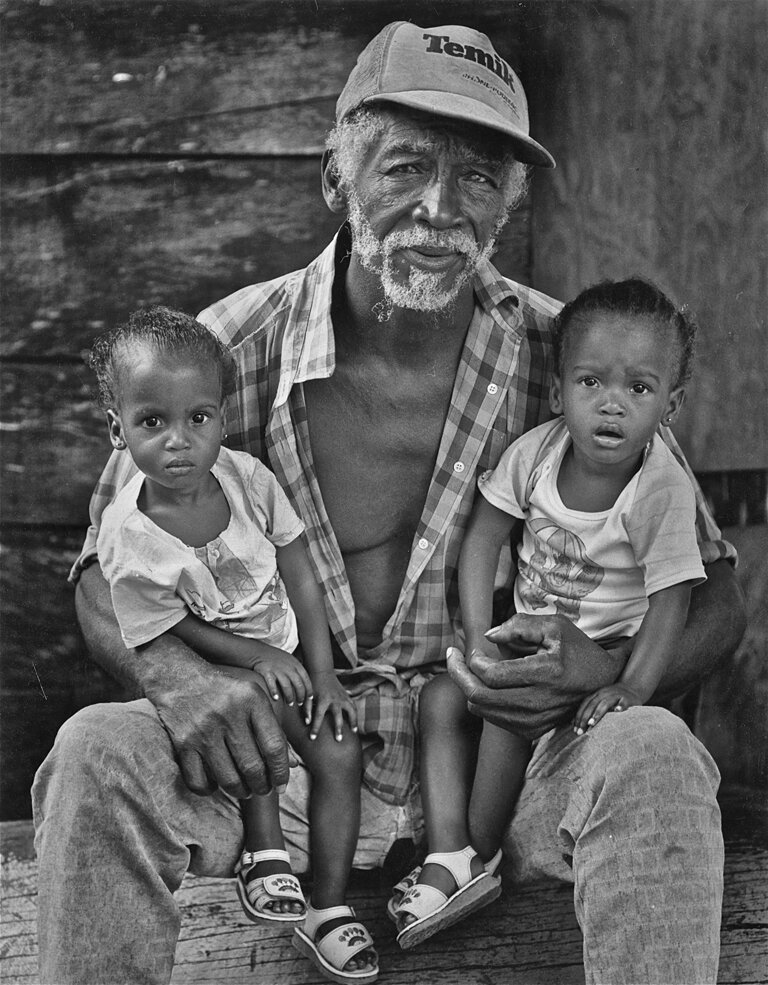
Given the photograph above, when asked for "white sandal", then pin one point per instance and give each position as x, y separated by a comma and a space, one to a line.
434, 910
281, 887
332, 951
408, 882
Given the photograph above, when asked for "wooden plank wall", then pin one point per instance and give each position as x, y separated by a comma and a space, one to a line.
169, 152
656, 113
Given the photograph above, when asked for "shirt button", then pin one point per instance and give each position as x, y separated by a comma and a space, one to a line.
423, 543
458, 466
492, 388
214, 553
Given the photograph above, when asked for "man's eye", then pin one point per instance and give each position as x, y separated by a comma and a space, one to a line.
589, 381
478, 178
200, 418
405, 167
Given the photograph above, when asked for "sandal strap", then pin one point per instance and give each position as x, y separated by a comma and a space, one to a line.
340, 945
247, 859
284, 886
493, 863
421, 900
459, 864
407, 882
316, 918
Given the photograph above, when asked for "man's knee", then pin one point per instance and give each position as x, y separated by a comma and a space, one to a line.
652, 748
100, 746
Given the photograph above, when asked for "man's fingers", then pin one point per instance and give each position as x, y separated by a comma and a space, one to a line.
272, 747
194, 773
461, 674
220, 770
522, 630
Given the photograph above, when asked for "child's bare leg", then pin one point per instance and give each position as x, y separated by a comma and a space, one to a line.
261, 821
334, 821
449, 735
501, 764
334, 818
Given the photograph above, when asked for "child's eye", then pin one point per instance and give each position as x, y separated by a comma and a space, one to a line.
640, 388
151, 422
200, 417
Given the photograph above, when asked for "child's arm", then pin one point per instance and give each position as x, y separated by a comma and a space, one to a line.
655, 646
326, 695
488, 530
281, 671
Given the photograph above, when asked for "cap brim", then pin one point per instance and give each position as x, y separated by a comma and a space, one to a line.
457, 107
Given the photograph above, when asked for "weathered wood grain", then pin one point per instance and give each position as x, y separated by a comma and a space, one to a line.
530, 935
656, 115
46, 676
86, 243
232, 77
54, 445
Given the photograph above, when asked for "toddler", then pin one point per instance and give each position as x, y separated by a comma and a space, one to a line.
604, 517
203, 544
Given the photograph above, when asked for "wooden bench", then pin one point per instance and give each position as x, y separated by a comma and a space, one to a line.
529, 936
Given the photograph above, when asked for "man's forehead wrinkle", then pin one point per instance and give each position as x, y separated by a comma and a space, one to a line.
466, 149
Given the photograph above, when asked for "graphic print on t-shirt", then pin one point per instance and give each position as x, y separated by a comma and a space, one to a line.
560, 573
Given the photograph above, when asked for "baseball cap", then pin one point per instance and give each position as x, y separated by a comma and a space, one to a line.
450, 71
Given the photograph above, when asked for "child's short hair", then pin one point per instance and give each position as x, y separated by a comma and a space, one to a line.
630, 297
166, 330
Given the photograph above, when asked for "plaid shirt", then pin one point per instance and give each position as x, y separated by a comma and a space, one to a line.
281, 335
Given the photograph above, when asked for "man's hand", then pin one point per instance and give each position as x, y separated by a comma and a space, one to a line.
224, 732
223, 729
550, 667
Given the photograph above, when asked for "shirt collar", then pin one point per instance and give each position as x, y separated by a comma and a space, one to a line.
310, 330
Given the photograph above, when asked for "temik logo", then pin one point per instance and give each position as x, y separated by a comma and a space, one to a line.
441, 44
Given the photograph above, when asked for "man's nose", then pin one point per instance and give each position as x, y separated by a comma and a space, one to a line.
439, 203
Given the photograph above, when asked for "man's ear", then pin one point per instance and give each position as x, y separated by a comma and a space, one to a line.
555, 398
115, 430
333, 192
674, 406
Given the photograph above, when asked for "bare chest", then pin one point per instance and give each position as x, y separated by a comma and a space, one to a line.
374, 447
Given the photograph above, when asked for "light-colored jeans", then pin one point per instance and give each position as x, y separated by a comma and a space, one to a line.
627, 813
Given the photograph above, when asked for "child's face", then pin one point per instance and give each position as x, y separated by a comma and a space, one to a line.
616, 386
170, 415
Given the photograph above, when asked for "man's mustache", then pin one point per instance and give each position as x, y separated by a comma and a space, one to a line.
445, 239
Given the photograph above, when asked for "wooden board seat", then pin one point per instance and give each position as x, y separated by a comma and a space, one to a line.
528, 936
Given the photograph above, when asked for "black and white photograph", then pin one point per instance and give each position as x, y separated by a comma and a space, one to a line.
384, 492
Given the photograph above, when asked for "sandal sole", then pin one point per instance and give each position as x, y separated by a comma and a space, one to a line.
472, 897
492, 868
259, 916
307, 949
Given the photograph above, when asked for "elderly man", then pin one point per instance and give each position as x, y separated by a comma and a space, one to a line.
378, 382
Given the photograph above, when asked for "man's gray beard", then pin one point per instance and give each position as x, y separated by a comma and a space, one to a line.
422, 291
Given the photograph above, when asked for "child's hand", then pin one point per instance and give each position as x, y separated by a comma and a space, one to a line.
283, 676
329, 698
615, 697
